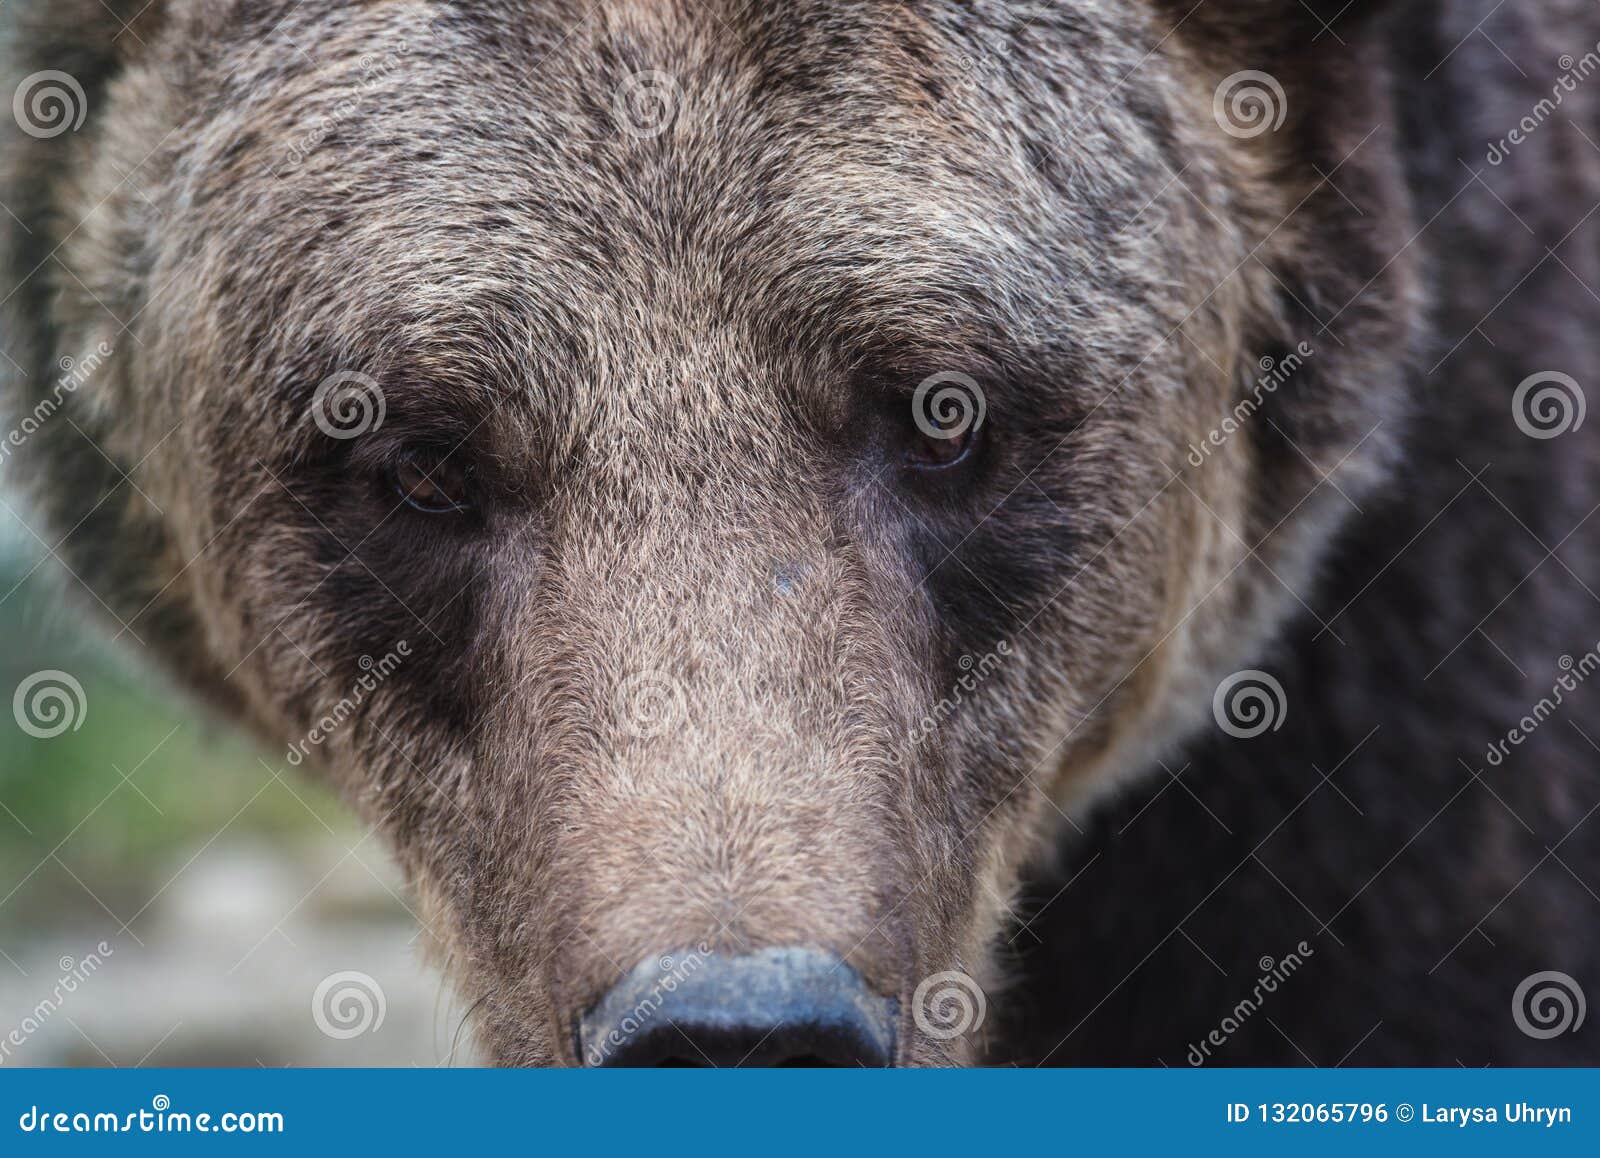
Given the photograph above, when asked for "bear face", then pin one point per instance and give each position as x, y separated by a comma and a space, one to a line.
705, 475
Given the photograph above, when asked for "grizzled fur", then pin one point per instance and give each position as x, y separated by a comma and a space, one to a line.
679, 366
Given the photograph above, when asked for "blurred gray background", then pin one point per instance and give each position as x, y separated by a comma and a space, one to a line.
172, 895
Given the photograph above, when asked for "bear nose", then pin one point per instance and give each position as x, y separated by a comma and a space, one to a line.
774, 1007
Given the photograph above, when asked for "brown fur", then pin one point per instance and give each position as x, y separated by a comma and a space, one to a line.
677, 364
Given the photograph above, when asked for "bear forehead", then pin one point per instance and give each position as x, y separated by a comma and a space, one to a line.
416, 180
456, 198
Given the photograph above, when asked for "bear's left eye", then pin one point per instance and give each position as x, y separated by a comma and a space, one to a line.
940, 450
947, 422
434, 486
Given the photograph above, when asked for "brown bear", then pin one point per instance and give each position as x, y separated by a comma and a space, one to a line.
914, 533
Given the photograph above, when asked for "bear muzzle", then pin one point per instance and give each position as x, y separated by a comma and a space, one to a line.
774, 1007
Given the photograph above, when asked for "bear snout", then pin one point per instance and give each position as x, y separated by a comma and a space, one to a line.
774, 1007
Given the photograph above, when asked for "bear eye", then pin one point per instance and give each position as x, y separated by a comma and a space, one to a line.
940, 451
433, 486
947, 413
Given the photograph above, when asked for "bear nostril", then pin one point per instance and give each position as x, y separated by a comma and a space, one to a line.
775, 1007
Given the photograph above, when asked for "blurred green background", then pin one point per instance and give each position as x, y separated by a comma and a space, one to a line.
247, 919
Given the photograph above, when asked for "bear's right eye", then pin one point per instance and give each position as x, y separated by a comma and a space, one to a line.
947, 422
933, 448
434, 486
